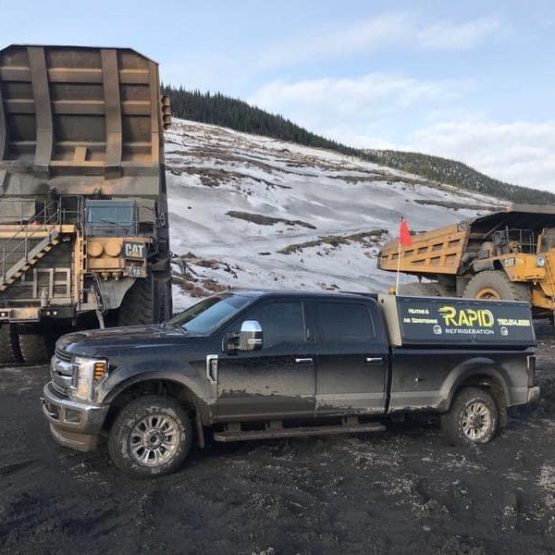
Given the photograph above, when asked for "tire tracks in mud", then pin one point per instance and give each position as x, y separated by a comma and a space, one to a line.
399, 491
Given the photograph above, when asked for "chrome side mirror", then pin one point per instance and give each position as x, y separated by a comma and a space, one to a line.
251, 336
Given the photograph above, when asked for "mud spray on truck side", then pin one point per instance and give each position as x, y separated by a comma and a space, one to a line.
84, 237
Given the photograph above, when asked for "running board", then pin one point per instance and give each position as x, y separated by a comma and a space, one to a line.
298, 432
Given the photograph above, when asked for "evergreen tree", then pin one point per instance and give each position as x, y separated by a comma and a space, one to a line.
236, 114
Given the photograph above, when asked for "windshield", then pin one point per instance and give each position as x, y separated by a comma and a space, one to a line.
205, 316
114, 215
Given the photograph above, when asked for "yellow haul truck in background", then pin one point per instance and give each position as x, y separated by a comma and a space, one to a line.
503, 255
84, 237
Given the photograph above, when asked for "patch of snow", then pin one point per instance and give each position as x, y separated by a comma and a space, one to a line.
212, 171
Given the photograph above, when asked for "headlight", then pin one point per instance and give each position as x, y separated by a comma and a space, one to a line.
88, 372
540, 261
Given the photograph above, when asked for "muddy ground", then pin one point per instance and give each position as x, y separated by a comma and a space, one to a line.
403, 491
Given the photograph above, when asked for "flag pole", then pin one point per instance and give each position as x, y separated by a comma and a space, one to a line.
404, 238
398, 267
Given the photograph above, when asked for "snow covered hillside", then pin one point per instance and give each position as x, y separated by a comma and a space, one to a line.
249, 211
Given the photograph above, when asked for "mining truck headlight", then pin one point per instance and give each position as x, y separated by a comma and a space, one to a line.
540, 261
89, 372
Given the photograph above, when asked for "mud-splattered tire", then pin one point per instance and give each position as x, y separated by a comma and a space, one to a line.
151, 436
417, 289
35, 348
9, 345
496, 285
137, 305
473, 418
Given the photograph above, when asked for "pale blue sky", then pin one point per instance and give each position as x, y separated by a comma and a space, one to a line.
470, 80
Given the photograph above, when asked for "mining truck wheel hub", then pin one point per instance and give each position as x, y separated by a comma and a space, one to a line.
154, 440
476, 420
488, 293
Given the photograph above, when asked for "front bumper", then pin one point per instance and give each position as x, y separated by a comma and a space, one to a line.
72, 423
533, 394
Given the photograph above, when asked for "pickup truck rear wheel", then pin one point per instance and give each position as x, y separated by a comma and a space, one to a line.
473, 418
151, 436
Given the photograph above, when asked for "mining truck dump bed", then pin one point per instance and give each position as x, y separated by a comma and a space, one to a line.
81, 126
68, 112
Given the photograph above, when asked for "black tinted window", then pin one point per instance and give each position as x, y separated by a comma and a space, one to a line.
282, 322
344, 322
205, 316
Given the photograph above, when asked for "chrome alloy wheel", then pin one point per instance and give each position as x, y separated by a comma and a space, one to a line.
154, 440
476, 420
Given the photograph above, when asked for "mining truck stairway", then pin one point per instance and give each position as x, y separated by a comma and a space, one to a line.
29, 260
276, 430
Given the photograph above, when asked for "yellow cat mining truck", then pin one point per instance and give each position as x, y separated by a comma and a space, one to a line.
83, 210
503, 255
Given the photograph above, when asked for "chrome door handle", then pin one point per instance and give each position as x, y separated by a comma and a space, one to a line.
212, 369
374, 359
301, 360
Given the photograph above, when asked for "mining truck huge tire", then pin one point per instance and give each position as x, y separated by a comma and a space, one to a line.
9, 345
36, 348
417, 289
137, 305
495, 285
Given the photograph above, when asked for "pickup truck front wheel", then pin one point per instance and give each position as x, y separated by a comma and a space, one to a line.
151, 436
473, 418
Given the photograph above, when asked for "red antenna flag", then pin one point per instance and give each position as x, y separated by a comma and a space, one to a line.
404, 233
405, 240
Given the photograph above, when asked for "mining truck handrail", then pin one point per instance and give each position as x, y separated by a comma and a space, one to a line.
30, 230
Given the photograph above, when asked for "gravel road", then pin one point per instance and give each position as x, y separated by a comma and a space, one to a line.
403, 491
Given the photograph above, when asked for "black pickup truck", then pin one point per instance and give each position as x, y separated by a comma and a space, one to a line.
257, 364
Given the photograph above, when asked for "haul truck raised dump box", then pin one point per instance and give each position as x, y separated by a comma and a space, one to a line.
503, 255
83, 209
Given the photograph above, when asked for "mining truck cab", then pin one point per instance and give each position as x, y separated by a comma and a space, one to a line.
111, 218
116, 246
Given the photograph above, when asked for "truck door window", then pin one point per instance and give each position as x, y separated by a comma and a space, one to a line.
282, 322
206, 315
344, 322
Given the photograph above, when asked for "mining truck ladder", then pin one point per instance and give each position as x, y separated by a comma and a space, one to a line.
50, 232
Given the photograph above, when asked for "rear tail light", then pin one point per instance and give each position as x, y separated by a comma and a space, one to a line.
531, 369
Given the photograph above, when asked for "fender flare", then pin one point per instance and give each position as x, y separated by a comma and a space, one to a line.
134, 376
476, 366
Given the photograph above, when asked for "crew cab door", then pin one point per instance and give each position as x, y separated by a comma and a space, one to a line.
277, 381
351, 358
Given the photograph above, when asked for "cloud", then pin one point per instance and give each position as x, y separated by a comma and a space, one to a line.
521, 152
395, 111
354, 109
331, 102
365, 35
461, 36
206, 72
395, 29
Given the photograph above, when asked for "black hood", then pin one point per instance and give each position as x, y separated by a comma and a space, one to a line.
87, 342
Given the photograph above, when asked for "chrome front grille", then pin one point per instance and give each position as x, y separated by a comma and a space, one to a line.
62, 355
62, 371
